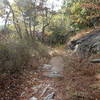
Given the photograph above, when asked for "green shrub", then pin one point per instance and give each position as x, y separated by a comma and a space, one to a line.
56, 39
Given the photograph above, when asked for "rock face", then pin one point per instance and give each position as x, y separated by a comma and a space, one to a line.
95, 61
87, 45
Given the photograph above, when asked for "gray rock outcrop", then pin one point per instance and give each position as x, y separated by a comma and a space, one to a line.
87, 45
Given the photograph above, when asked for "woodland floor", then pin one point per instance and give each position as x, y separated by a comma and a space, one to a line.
76, 84
33, 83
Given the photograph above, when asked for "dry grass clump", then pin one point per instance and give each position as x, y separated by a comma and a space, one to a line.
16, 54
80, 78
13, 56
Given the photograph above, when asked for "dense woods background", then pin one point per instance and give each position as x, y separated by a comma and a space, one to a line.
35, 19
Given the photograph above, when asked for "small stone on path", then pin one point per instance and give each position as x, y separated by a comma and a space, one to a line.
50, 96
53, 75
33, 98
47, 66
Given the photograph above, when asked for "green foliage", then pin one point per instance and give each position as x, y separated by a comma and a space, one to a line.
57, 39
78, 16
82, 16
58, 27
59, 24
30, 17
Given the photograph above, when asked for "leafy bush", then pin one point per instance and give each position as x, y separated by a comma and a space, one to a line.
55, 39
58, 27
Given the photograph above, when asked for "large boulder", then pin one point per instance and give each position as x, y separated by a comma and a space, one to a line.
87, 45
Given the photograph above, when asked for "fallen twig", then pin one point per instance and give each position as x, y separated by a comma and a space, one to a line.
45, 89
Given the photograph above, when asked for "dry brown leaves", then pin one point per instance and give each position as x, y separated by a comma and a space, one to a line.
80, 78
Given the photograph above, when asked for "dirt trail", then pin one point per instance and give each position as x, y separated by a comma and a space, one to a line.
44, 83
47, 80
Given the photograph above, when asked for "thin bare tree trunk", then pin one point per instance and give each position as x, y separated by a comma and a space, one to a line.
6, 20
17, 27
26, 29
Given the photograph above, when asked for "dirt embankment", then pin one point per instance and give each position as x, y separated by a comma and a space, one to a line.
82, 78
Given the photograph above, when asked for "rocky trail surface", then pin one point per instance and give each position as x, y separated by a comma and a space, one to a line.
49, 83
51, 86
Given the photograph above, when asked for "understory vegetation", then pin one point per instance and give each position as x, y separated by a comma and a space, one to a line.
81, 79
15, 54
